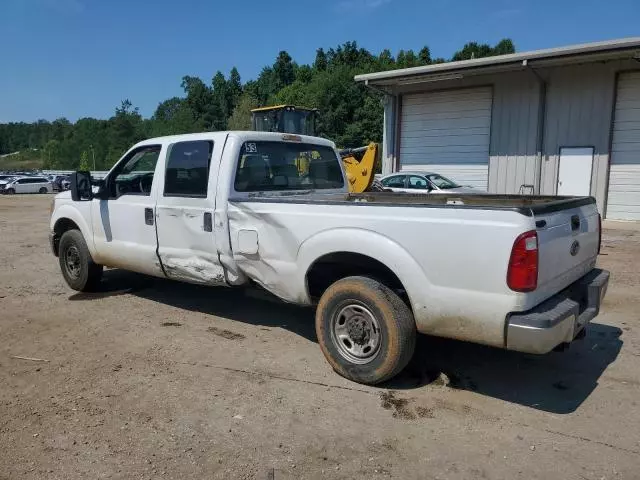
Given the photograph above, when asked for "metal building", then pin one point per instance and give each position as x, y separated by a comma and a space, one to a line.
562, 121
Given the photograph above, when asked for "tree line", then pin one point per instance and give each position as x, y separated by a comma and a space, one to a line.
350, 114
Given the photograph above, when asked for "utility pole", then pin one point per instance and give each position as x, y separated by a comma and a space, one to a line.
93, 154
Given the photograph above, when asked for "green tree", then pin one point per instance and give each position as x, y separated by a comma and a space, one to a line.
425, 56
349, 113
84, 161
52, 153
283, 70
241, 117
320, 63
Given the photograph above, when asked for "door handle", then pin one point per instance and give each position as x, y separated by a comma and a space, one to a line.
148, 216
208, 222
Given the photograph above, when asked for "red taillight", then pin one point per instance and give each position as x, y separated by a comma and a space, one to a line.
522, 275
599, 232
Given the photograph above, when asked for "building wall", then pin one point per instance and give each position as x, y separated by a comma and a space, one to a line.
579, 114
529, 125
514, 152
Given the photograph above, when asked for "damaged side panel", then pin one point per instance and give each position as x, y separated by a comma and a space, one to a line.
186, 250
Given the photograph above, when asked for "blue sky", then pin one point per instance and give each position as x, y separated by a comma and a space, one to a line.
77, 58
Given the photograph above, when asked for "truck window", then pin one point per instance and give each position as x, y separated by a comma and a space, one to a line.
272, 166
187, 173
134, 176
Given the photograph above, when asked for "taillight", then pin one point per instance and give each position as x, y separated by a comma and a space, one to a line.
522, 275
599, 232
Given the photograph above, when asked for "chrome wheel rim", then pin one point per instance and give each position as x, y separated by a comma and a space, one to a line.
356, 333
72, 261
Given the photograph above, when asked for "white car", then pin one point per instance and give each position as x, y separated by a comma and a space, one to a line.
229, 209
26, 185
423, 182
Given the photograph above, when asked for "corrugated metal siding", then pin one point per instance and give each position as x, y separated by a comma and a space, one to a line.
448, 132
514, 126
623, 200
578, 114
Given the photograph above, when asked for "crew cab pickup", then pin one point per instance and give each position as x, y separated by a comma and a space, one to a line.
230, 209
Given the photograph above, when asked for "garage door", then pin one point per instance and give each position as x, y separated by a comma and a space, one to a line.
448, 132
623, 202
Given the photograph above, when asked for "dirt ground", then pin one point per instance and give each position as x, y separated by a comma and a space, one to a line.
154, 379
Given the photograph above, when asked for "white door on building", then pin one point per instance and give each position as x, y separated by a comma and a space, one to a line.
574, 173
623, 200
448, 132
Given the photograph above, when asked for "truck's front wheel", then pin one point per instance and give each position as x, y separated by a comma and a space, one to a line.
78, 268
366, 332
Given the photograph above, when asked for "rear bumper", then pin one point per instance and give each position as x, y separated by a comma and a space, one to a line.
559, 319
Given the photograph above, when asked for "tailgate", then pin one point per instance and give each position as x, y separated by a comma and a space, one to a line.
567, 246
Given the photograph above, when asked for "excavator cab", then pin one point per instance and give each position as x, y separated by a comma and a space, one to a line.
284, 119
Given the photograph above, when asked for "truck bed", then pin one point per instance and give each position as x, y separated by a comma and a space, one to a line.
526, 205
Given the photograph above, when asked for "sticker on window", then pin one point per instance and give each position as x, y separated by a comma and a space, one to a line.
250, 148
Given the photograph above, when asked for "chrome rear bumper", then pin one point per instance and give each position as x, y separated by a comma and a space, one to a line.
559, 319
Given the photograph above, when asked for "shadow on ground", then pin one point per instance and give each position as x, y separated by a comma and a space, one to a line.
557, 382
250, 306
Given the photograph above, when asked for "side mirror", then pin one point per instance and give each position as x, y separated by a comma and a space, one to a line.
81, 186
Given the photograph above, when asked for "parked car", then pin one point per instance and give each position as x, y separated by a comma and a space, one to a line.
423, 182
60, 182
27, 185
234, 209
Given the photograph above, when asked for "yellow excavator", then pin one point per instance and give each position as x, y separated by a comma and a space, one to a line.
359, 163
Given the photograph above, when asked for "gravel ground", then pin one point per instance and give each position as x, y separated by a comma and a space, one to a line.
153, 379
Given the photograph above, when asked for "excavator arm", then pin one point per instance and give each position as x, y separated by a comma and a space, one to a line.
359, 165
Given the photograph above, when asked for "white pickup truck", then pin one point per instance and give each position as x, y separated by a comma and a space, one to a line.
235, 208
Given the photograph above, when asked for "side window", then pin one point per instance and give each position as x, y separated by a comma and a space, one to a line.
418, 183
135, 174
394, 182
187, 173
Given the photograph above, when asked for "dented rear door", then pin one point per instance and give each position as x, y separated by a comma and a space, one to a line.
184, 212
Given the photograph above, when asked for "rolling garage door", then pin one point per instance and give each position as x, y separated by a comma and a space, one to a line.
448, 132
623, 202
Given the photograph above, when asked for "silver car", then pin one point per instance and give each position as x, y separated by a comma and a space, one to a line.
423, 182
26, 185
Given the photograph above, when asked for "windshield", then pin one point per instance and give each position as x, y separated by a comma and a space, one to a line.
301, 122
441, 182
269, 166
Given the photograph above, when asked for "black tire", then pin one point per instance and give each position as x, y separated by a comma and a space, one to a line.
85, 274
44, 190
349, 309
10, 191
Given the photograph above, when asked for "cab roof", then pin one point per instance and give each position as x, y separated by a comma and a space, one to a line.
241, 135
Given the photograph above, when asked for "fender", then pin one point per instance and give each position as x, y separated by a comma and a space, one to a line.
374, 245
71, 212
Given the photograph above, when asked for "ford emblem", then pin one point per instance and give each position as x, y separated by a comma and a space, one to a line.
575, 248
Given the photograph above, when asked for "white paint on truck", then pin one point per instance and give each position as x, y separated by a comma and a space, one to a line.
161, 214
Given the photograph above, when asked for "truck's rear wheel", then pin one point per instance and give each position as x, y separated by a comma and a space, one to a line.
366, 332
78, 268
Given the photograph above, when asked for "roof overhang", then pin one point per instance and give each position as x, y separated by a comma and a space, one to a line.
590, 52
